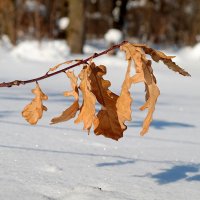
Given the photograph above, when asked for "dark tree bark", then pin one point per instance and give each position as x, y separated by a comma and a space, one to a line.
52, 16
76, 29
119, 24
7, 19
37, 21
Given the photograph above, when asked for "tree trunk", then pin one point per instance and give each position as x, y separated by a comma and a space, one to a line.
76, 29
119, 22
37, 21
7, 20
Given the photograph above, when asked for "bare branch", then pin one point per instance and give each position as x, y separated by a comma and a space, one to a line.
47, 75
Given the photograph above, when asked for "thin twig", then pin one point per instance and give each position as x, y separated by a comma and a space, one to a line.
47, 75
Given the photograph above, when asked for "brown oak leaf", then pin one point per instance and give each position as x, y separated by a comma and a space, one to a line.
106, 122
34, 110
124, 101
58, 65
70, 112
144, 73
167, 60
152, 93
87, 111
52, 69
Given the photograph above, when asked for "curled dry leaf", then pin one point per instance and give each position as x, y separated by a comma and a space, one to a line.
87, 111
115, 110
144, 73
34, 110
106, 122
167, 60
58, 65
152, 93
124, 101
70, 112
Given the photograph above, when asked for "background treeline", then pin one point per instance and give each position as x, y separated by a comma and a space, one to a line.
156, 21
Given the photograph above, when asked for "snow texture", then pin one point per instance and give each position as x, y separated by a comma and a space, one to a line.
62, 162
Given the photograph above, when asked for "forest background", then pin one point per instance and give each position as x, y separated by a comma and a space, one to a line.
164, 22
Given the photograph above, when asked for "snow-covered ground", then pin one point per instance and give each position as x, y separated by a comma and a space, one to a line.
61, 162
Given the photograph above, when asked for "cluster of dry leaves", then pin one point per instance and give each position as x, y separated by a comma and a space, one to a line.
115, 109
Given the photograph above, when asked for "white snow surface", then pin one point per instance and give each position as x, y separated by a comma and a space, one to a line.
62, 162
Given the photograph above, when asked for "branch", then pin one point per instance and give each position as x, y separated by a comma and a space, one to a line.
47, 75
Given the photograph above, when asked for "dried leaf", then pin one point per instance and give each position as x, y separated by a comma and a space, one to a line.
152, 94
167, 60
144, 73
124, 101
67, 114
87, 111
70, 112
34, 110
58, 65
74, 86
107, 122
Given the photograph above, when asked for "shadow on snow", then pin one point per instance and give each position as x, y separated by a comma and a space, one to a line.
181, 171
160, 124
116, 163
177, 173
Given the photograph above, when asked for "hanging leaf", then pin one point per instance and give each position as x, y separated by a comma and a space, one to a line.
52, 69
152, 93
115, 110
144, 73
107, 122
34, 110
70, 112
167, 60
124, 101
87, 111
58, 65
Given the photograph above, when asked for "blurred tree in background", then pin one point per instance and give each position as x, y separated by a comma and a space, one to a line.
76, 30
7, 19
156, 21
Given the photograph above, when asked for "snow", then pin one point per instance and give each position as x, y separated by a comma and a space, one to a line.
136, 4
5, 43
32, 5
113, 36
63, 23
46, 50
62, 162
